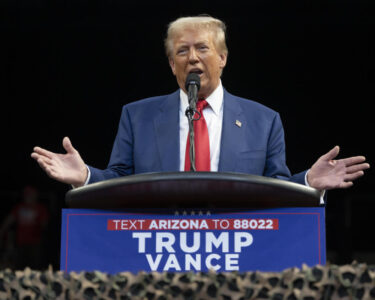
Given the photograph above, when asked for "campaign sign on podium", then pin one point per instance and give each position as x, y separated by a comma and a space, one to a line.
192, 240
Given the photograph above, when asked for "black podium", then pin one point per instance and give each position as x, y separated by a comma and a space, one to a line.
188, 189
192, 222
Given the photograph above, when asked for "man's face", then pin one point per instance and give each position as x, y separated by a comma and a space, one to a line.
194, 51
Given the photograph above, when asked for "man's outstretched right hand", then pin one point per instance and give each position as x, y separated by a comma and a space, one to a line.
67, 168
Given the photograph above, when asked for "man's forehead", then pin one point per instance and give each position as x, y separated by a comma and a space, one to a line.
196, 35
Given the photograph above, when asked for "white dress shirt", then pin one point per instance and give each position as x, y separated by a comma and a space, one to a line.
213, 115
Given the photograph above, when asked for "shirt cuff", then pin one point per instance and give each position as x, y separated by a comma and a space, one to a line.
322, 193
87, 179
88, 176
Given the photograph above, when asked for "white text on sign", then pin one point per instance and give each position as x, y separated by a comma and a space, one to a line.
192, 224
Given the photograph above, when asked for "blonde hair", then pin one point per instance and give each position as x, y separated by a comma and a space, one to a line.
216, 26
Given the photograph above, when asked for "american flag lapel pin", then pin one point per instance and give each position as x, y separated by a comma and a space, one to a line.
238, 123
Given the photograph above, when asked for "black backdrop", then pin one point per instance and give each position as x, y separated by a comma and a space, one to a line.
69, 66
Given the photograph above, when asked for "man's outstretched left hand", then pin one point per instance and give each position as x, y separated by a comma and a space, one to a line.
328, 173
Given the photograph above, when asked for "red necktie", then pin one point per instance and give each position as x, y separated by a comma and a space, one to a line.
201, 140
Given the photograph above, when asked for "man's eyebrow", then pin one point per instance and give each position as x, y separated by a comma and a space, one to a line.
201, 43
184, 44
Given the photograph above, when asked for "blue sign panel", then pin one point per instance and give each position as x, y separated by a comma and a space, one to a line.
221, 240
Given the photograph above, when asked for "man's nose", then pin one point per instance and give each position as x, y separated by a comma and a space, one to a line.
193, 57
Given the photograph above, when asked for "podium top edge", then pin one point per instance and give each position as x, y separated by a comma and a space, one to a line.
78, 197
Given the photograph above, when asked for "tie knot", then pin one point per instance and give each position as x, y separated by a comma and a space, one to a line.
201, 104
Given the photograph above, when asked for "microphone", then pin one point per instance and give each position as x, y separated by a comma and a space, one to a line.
192, 85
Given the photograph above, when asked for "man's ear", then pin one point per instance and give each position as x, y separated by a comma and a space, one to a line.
223, 60
172, 65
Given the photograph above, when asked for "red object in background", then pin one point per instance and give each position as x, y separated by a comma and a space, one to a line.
30, 218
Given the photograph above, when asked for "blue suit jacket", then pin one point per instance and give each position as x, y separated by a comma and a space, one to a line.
148, 140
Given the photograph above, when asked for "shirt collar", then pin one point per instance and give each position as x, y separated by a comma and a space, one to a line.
215, 100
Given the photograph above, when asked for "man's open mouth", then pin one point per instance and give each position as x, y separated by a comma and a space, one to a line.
196, 71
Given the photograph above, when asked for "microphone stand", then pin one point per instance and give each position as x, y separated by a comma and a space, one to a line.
190, 112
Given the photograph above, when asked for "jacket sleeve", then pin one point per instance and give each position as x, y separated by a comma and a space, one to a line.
121, 162
276, 159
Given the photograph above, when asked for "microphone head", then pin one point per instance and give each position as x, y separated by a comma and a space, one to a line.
193, 79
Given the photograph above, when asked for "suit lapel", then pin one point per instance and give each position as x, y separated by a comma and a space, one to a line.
233, 133
166, 124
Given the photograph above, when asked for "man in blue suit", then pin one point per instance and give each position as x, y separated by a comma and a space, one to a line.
244, 136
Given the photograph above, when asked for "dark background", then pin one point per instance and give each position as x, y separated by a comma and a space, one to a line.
67, 67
